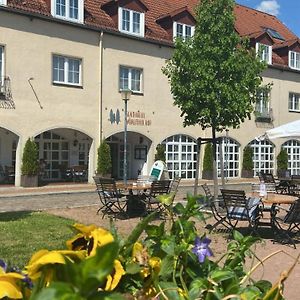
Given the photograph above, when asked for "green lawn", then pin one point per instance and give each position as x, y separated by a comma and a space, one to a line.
24, 233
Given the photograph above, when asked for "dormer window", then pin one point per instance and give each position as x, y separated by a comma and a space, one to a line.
264, 52
131, 22
182, 30
294, 60
71, 10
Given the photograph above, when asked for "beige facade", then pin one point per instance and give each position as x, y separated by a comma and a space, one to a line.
68, 121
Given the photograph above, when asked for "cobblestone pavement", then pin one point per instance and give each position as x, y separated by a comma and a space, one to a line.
69, 196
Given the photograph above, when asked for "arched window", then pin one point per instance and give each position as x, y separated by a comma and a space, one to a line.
231, 157
263, 156
293, 149
181, 156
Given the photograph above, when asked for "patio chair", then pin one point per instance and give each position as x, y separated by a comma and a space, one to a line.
160, 187
217, 208
294, 185
280, 187
112, 201
240, 208
287, 225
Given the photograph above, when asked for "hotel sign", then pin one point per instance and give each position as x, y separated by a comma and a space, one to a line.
137, 119
134, 118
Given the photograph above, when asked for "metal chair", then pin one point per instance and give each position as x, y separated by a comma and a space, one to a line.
160, 187
240, 208
268, 178
217, 208
288, 225
112, 201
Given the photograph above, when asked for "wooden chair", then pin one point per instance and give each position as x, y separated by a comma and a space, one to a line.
112, 201
160, 187
288, 225
240, 208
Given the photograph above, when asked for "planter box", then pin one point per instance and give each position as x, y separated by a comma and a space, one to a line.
207, 175
29, 180
247, 173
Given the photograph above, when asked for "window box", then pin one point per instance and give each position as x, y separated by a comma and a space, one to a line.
131, 22
66, 70
130, 79
71, 10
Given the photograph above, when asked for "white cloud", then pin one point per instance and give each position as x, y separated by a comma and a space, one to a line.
269, 6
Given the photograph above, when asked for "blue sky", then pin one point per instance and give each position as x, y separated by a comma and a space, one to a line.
285, 10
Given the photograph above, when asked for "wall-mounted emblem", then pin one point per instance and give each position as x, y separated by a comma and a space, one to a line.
114, 117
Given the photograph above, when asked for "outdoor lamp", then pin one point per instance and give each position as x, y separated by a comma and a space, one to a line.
125, 94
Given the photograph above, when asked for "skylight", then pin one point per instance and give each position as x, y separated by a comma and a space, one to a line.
273, 33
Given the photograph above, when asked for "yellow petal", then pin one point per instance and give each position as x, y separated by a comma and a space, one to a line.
9, 289
71, 243
100, 237
11, 275
113, 280
137, 249
155, 263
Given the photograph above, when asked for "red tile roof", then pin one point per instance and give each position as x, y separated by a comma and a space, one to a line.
249, 22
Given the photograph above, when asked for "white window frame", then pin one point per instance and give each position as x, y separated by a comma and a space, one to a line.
181, 153
231, 157
1, 65
296, 64
184, 27
66, 70
267, 57
130, 86
67, 12
292, 148
263, 156
3, 2
292, 102
262, 105
130, 31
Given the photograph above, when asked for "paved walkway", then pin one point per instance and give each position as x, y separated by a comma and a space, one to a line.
74, 195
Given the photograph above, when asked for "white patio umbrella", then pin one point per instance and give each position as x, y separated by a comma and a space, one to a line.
287, 130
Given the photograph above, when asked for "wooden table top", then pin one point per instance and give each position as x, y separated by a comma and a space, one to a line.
274, 198
133, 187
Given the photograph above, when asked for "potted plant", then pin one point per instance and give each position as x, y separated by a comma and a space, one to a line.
282, 163
248, 165
104, 163
207, 171
160, 153
30, 164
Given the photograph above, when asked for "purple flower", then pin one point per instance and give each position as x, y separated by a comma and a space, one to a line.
3, 265
201, 248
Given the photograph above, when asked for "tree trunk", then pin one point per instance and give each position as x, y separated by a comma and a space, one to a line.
197, 167
215, 162
222, 163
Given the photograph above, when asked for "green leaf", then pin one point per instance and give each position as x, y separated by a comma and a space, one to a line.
167, 265
168, 245
166, 199
170, 290
132, 268
222, 275
58, 291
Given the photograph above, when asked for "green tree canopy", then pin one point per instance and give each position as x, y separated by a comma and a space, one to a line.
104, 163
214, 75
30, 164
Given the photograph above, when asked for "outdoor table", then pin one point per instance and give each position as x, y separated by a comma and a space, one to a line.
274, 199
136, 206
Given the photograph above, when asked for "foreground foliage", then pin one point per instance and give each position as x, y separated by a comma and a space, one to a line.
171, 261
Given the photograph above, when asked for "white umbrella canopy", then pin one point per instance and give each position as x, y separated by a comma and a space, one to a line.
287, 130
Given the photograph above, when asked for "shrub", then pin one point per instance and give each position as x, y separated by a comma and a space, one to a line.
30, 164
208, 158
282, 160
104, 159
248, 164
160, 153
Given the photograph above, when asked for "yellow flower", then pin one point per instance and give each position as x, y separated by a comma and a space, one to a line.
145, 272
8, 285
45, 257
139, 253
114, 279
89, 238
155, 264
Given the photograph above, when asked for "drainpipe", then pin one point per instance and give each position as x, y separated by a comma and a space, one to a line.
101, 86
